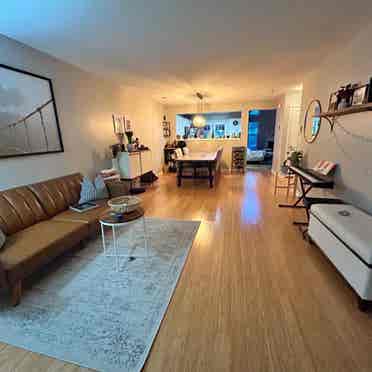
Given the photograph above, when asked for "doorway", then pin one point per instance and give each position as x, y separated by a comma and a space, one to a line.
260, 138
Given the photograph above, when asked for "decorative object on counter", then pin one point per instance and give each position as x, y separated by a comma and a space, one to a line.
360, 95
238, 158
115, 149
29, 120
166, 127
129, 135
124, 204
119, 129
295, 157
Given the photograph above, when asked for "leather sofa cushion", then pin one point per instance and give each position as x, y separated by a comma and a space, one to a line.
38, 244
90, 217
19, 208
70, 186
58, 194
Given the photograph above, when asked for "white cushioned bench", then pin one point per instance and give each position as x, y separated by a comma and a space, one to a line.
344, 234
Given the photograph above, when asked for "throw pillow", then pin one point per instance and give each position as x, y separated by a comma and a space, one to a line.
92, 191
2, 239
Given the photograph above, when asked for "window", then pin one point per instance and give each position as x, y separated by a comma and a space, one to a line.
224, 125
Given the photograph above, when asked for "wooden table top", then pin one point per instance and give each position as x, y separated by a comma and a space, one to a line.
111, 219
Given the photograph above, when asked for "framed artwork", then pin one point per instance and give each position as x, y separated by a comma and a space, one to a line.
28, 114
360, 95
118, 123
128, 125
333, 101
166, 129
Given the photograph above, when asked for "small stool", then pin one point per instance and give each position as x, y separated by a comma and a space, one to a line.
290, 184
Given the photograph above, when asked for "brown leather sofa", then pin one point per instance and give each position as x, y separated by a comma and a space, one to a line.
39, 227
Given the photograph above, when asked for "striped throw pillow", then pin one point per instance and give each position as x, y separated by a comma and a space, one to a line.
92, 191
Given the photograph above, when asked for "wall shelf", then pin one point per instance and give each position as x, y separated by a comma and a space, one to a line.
347, 111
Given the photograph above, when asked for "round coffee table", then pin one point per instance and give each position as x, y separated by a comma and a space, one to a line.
110, 220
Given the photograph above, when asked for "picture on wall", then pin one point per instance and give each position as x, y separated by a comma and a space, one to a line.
28, 115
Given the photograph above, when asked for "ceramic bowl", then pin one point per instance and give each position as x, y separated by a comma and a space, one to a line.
124, 204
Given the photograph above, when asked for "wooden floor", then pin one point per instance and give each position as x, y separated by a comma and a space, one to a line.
253, 295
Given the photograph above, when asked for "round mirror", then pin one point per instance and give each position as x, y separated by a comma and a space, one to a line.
312, 121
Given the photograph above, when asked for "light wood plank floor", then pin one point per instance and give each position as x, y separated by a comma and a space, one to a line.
253, 295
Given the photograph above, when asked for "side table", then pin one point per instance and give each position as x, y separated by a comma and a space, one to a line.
115, 223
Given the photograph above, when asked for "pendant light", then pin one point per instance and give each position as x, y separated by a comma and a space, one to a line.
199, 119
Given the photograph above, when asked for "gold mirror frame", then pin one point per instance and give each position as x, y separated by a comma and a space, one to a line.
316, 103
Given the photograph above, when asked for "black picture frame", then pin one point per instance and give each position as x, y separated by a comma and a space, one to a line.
333, 102
369, 99
360, 95
55, 111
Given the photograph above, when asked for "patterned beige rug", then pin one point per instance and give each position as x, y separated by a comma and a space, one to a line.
85, 312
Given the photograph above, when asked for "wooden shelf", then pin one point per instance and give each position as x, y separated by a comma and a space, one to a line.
347, 111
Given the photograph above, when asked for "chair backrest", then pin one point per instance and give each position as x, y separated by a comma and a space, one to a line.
178, 153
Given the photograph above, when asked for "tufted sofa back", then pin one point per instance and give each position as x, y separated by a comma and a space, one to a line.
24, 206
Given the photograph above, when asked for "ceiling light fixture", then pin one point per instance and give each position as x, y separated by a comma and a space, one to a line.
199, 119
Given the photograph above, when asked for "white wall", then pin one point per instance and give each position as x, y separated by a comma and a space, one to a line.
352, 63
227, 144
85, 104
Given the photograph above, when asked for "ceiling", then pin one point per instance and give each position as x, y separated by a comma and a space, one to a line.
230, 51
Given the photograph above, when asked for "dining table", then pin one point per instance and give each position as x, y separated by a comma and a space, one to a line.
196, 161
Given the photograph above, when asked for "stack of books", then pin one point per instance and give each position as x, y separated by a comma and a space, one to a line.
109, 174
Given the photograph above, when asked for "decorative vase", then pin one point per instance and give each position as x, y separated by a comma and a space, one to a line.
115, 164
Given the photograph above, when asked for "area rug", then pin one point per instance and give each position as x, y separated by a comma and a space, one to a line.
86, 312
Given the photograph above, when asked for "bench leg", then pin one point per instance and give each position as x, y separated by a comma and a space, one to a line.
16, 293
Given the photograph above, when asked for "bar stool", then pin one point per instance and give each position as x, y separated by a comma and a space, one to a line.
290, 179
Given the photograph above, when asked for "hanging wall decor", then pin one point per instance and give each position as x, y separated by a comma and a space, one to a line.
166, 127
28, 114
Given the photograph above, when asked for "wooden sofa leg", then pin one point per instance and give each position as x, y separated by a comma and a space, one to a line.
16, 293
364, 305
